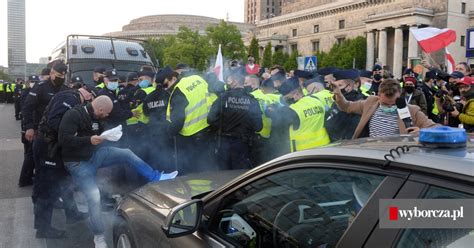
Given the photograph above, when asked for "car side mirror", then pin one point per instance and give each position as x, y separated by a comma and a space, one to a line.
183, 219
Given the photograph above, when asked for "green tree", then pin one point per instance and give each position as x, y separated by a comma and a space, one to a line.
228, 35
5, 77
345, 54
280, 58
267, 56
291, 62
156, 47
188, 47
254, 50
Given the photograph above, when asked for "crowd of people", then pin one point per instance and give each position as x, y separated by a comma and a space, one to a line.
179, 120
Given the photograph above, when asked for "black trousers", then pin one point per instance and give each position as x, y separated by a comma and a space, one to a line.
195, 153
50, 183
27, 170
17, 108
2, 96
233, 154
9, 97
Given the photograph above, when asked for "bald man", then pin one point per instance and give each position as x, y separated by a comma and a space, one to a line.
79, 139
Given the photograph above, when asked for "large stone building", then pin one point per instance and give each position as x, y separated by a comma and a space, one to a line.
16, 38
257, 10
159, 25
316, 25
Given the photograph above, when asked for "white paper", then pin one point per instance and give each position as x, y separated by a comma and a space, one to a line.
113, 134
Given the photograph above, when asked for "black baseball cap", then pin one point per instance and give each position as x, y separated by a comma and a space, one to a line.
76, 79
289, 85
112, 75
60, 67
45, 72
132, 76
33, 78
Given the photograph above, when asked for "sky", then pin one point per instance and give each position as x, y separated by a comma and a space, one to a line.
48, 22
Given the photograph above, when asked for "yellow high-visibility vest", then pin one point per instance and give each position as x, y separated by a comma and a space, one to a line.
1, 87
311, 132
143, 118
195, 89
263, 101
100, 86
326, 98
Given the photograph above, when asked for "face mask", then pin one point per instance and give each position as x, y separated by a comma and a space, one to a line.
377, 77
58, 81
144, 83
112, 85
409, 89
387, 109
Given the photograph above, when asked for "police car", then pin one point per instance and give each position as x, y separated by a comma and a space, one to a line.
326, 197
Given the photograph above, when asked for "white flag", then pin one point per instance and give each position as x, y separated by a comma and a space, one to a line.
219, 67
449, 61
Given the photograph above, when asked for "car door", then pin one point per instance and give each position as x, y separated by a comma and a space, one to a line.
300, 205
420, 186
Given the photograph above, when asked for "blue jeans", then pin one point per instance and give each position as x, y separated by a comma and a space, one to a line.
84, 173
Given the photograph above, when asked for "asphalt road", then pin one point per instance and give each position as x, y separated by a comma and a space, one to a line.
16, 208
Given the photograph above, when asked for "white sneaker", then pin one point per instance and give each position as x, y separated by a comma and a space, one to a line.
167, 176
99, 241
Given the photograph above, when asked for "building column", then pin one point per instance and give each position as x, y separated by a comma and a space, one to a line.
398, 53
382, 58
370, 50
412, 47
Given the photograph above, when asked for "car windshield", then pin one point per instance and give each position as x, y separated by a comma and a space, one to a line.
85, 68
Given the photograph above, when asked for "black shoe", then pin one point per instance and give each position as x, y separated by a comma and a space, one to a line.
79, 216
50, 233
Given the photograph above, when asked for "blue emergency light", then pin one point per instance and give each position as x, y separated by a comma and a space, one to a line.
443, 137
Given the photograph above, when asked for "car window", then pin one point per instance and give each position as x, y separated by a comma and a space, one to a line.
295, 208
451, 238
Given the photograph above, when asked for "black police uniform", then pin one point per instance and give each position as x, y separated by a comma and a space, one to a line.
16, 98
52, 180
237, 117
154, 106
27, 170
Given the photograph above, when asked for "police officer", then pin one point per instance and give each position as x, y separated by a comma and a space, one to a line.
341, 125
98, 77
304, 115
19, 87
120, 112
377, 76
237, 116
9, 91
136, 125
39, 98
187, 112
365, 82
2, 91
127, 93
154, 109
76, 82
27, 170
45, 74
315, 87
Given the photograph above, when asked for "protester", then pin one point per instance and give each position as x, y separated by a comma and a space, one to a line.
379, 113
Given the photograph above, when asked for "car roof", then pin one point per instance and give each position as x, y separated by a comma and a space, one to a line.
437, 160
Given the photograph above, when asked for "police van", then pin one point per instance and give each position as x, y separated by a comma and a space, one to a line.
82, 53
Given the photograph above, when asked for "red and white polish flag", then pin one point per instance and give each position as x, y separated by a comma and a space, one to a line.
219, 67
433, 39
449, 61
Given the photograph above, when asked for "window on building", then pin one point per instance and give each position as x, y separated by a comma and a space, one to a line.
342, 24
340, 40
273, 10
268, 2
463, 40
316, 46
316, 29
295, 32
294, 48
268, 10
463, 8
